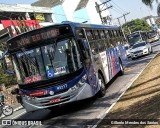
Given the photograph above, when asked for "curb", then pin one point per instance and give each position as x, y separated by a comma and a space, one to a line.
128, 85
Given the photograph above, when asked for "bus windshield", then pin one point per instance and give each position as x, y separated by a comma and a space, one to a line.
134, 38
46, 62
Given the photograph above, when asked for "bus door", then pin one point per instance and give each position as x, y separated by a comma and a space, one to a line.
89, 63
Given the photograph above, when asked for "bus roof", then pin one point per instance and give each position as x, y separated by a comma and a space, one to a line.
73, 25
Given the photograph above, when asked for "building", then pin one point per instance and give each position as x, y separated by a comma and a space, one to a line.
27, 12
77, 11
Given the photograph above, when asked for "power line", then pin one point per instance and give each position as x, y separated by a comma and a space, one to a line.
118, 6
117, 11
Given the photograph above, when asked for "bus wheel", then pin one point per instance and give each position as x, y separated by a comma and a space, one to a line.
102, 90
121, 68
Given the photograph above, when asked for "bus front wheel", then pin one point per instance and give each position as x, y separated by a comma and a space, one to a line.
102, 90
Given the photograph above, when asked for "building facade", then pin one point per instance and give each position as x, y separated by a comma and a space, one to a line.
27, 12
75, 10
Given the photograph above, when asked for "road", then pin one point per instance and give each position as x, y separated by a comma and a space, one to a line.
88, 112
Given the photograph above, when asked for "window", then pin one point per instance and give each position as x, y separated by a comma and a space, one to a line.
80, 34
102, 34
110, 33
115, 33
96, 34
107, 34
90, 35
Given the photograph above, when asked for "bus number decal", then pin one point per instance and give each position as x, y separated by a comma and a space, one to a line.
61, 87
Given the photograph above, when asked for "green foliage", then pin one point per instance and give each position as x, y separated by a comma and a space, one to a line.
136, 25
7, 79
149, 2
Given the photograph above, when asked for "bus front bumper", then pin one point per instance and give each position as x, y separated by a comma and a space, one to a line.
56, 100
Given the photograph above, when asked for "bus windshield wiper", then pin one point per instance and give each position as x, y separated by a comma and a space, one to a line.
28, 58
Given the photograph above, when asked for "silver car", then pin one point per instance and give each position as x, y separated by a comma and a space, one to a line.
140, 49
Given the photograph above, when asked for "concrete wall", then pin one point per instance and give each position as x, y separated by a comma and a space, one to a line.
92, 13
81, 16
59, 13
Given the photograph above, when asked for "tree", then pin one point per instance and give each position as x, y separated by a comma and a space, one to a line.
149, 2
135, 25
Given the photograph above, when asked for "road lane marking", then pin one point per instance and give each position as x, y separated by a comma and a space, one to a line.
19, 115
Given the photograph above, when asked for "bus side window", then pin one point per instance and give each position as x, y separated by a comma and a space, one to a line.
80, 34
107, 38
102, 46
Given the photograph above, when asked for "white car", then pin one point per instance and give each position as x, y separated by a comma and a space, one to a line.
140, 49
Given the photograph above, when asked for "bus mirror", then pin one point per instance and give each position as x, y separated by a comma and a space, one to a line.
15, 91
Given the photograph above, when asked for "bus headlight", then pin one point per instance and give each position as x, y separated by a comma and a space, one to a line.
82, 81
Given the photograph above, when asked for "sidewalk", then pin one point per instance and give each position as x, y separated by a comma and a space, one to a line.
141, 101
15, 107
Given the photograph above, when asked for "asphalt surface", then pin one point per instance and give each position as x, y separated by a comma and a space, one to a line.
87, 112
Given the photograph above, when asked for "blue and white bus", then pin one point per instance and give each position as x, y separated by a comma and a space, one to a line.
137, 37
64, 63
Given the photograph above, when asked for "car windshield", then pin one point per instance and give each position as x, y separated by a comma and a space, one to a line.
138, 45
46, 62
134, 39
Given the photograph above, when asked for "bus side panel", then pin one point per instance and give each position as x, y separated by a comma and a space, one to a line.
105, 65
113, 64
122, 55
93, 80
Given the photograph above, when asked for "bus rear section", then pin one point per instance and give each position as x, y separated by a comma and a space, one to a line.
50, 68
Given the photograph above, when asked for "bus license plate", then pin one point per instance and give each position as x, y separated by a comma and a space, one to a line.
55, 100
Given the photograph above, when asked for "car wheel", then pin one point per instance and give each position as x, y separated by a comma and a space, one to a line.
102, 90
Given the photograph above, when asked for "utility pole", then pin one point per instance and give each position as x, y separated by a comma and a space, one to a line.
124, 15
118, 18
100, 10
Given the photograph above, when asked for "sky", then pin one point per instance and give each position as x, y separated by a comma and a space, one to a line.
136, 8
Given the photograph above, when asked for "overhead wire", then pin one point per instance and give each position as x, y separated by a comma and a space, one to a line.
118, 7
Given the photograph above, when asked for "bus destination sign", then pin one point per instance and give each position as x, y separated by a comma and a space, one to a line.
36, 36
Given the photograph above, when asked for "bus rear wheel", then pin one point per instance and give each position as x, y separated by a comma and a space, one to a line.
102, 90
121, 68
